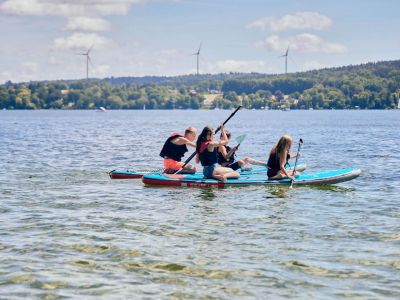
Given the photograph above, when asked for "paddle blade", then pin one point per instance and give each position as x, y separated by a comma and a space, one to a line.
240, 138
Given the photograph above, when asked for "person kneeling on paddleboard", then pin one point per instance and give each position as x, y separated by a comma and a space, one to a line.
226, 157
175, 148
278, 159
206, 149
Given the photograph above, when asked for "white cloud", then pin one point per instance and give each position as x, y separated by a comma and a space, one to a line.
299, 20
168, 52
312, 65
164, 59
100, 71
304, 42
87, 24
5, 76
30, 67
231, 65
67, 8
52, 60
79, 41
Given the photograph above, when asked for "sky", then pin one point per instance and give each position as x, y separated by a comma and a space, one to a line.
42, 39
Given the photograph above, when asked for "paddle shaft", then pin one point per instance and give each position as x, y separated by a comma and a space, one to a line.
218, 129
295, 163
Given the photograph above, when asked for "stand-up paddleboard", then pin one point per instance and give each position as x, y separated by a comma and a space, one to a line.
197, 180
129, 174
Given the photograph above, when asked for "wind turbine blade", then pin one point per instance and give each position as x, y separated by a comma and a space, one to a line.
198, 51
202, 58
90, 49
90, 60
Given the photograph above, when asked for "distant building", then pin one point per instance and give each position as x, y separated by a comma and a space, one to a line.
215, 92
172, 92
210, 98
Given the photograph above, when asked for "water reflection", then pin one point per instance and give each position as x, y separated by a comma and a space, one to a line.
331, 188
207, 194
280, 192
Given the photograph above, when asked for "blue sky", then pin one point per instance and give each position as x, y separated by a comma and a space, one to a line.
40, 38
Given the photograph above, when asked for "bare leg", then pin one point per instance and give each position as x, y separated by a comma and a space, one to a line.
188, 169
219, 177
249, 160
223, 173
282, 175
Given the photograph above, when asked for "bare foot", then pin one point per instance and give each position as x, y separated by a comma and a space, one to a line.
220, 177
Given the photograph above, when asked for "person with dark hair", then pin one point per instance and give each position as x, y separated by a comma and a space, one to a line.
226, 157
175, 148
207, 149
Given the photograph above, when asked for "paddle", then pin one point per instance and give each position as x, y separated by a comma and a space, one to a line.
295, 163
218, 129
240, 140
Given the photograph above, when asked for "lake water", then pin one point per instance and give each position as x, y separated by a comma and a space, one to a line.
67, 230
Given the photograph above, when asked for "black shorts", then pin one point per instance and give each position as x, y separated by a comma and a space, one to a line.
234, 166
272, 173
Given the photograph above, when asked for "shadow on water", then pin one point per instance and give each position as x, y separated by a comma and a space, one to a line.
284, 192
207, 194
331, 188
280, 192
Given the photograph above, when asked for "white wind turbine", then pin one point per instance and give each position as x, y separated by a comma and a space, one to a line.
198, 56
87, 60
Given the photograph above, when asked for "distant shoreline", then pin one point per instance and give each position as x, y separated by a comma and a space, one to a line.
203, 109
366, 86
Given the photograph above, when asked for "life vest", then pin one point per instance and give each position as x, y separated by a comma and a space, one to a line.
221, 158
173, 151
206, 157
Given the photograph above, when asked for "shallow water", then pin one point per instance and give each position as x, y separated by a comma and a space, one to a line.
67, 230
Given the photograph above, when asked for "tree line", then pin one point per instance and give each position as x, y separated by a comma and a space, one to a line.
366, 86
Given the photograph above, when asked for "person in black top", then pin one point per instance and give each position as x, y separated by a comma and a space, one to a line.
279, 157
175, 148
226, 157
206, 148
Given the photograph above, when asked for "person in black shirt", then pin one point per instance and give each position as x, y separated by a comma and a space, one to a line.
279, 157
175, 148
226, 157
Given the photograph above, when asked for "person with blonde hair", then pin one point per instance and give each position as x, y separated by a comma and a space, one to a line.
207, 154
279, 157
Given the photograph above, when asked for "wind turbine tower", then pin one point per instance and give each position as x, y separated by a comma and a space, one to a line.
286, 57
198, 56
87, 60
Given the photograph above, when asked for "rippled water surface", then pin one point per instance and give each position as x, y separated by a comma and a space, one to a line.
67, 230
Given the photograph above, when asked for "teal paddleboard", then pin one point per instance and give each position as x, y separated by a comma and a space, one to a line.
197, 180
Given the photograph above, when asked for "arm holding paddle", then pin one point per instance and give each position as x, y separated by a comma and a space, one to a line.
222, 142
194, 153
227, 155
295, 155
184, 141
285, 171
